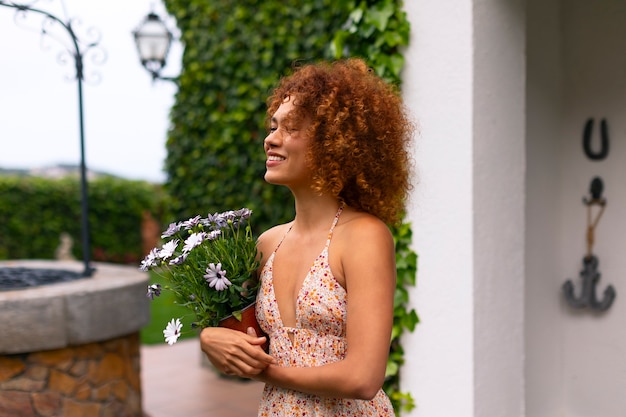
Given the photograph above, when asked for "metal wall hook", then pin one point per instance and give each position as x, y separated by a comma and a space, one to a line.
604, 140
596, 188
589, 274
595, 191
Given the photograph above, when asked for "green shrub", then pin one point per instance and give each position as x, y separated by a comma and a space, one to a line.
35, 211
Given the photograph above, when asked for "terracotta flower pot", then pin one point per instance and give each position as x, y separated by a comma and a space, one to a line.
248, 319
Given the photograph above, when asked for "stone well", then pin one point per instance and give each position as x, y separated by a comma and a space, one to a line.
72, 348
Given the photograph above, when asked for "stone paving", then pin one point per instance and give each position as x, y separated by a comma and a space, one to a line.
176, 382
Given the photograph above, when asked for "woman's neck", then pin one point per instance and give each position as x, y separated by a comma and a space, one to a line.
314, 211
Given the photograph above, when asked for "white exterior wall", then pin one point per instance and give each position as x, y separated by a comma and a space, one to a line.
501, 91
594, 346
499, 199
576, 359
466, 88
438, 89
544, 330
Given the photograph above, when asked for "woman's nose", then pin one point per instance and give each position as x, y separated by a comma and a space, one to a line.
271, 140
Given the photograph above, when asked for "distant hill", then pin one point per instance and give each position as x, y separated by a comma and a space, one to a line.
16, 172
53, 171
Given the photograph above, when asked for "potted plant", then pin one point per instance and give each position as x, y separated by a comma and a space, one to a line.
210, 264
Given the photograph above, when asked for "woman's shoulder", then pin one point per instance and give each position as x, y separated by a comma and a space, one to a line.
356, 220
268, 240
358, 240
358, 226
275, 231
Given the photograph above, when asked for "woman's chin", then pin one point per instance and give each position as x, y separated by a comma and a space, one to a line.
272, 179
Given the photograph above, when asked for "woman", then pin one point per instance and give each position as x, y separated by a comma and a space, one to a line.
338, 140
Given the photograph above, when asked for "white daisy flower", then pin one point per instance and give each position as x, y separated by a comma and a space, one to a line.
168, 249
172, 331
193, 240
216, 277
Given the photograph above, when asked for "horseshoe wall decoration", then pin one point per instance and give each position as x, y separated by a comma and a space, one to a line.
604, 140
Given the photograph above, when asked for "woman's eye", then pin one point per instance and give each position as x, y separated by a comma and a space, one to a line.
273, 129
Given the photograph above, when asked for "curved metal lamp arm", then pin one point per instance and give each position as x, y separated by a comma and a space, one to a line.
78, 55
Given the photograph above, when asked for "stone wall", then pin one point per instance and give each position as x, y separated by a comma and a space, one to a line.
100, 379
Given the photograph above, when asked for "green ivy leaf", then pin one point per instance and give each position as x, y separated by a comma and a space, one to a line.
379, 14
392, 369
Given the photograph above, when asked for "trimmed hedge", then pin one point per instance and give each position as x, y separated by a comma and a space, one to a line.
35, 211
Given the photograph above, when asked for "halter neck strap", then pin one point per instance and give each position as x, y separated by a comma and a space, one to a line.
332, 227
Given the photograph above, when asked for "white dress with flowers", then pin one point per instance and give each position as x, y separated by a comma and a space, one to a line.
319, 338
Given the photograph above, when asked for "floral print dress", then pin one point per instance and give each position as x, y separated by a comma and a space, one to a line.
319, 338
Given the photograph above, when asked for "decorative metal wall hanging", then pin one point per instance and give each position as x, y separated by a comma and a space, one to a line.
589, 274
604, 140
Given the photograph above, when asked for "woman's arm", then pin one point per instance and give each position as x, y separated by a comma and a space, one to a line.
367, 256
233, 352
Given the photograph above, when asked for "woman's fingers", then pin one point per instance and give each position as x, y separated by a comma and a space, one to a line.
233, 352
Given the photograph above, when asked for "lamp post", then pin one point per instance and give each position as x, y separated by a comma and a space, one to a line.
75, 51
153, 40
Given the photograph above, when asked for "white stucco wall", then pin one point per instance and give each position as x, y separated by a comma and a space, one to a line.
437, 88
502, 91
576, 363
499, 198
594, 346
544, 330
465, 84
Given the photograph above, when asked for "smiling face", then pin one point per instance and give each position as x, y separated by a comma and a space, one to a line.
286, 146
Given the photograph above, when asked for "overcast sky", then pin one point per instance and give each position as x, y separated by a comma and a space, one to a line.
125, 114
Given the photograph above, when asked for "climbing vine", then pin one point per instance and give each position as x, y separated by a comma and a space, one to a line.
375, 30
404, 318
235, 52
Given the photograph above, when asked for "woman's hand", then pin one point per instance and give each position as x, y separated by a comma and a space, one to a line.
235, 353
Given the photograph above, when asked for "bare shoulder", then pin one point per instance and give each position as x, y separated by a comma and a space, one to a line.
363, 247
358, 239
360, 228
267, 242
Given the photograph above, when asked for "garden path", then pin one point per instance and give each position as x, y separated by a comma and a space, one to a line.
176, 384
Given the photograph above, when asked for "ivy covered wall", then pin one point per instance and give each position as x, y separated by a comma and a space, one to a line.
235, 52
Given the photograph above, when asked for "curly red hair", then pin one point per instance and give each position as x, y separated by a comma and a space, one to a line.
360, 130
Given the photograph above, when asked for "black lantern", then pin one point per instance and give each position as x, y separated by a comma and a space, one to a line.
153, 41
